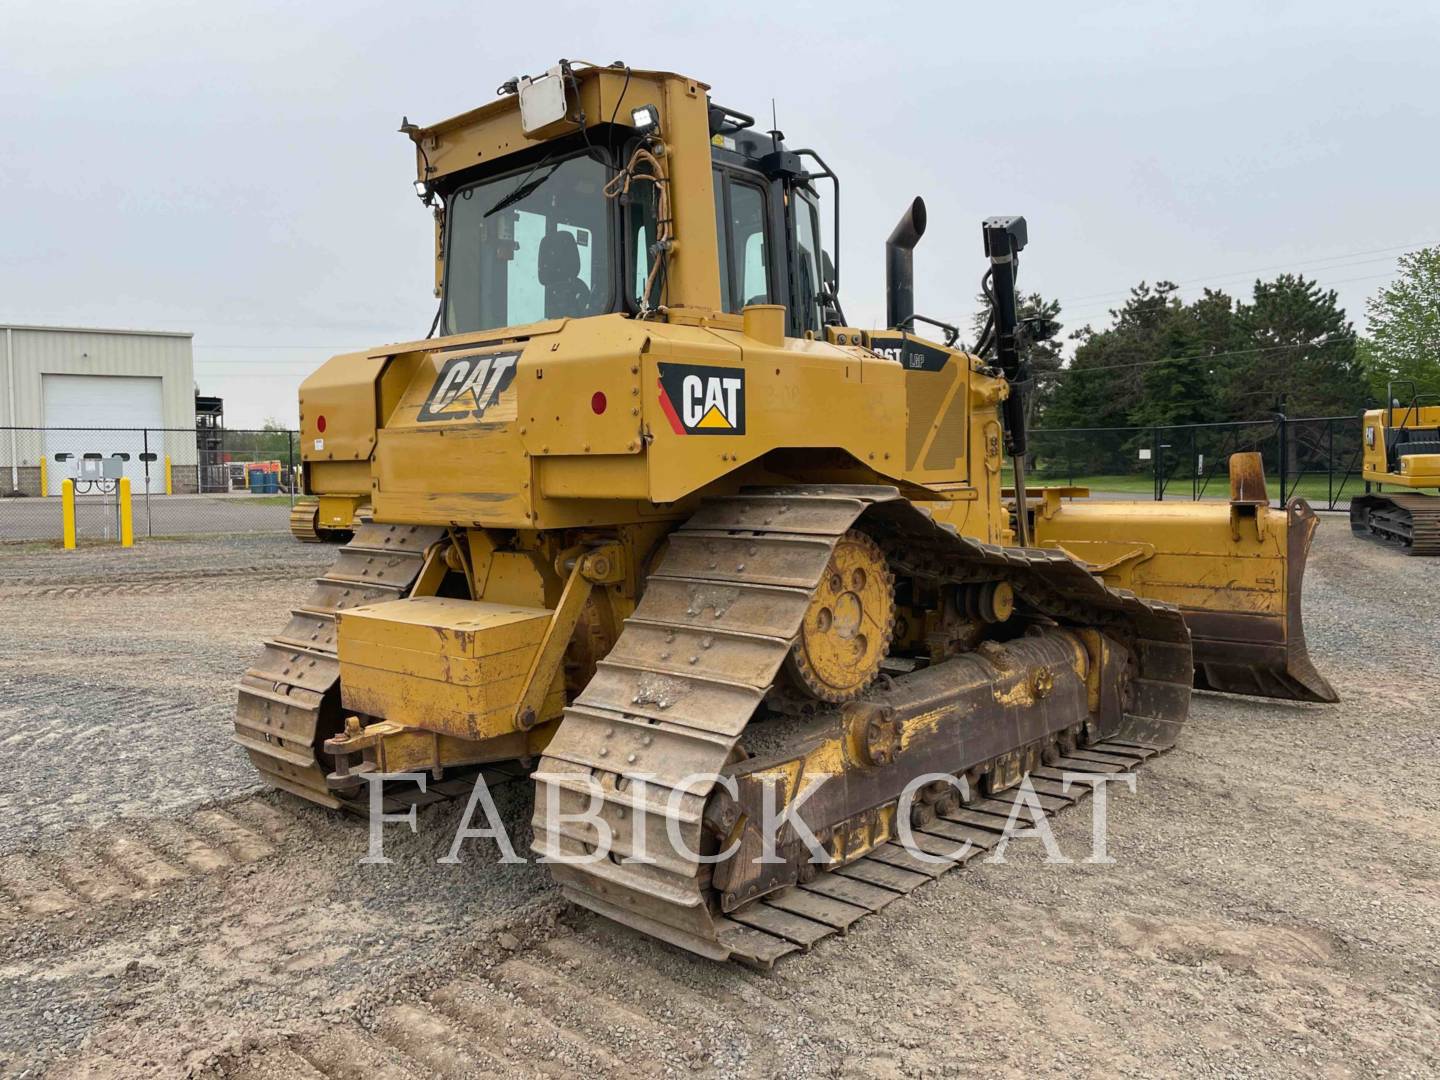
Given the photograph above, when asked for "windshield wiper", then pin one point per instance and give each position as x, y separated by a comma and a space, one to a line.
525, 188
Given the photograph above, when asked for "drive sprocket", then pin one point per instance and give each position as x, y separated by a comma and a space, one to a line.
848, 625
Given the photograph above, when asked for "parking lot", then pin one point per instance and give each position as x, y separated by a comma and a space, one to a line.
1277, 876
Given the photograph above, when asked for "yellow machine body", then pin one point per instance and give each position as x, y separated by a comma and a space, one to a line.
1380, 465
575, 424
459, 664
1400, 449
574, 516
1235, 571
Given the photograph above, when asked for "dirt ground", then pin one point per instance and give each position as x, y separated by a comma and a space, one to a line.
1273, 909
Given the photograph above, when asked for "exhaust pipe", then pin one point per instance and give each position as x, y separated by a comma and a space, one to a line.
900, 265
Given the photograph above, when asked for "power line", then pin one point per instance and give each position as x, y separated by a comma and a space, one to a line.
1196, 356
1266, 269
1092, 315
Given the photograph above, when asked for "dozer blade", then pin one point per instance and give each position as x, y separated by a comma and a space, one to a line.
1235, 571
1238, 653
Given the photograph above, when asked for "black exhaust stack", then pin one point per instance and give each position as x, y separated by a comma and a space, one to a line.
900, 266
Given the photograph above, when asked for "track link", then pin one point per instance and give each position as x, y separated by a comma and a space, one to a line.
695, 661
289, 698
1411, 522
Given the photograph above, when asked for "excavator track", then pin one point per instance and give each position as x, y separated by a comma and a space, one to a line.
289, 698
1411, 522
694, 663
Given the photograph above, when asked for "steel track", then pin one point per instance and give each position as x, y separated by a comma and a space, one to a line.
1411, 522
289, 698
696, 659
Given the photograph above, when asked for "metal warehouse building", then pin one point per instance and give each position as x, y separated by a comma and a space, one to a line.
79, 391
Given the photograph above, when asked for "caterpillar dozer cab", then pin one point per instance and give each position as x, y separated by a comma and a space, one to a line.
1401, 449
651, 519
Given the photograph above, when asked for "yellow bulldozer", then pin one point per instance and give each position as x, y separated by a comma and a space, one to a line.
1401, 448
653, 522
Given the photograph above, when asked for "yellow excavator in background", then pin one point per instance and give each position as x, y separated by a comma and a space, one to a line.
654, 521
1401, 448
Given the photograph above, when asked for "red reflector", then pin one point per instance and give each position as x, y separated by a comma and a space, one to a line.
320, 424
597, 402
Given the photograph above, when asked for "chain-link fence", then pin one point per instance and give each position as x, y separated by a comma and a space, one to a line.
1317, 458
225, 480
183, 481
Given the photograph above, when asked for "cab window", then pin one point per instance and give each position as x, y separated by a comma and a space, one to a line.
807, 264
740, 219
529, 245
722, 241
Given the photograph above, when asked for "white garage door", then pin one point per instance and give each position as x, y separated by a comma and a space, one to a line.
76, 405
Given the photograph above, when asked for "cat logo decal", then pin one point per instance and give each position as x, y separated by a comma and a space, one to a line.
702, 400
470, 386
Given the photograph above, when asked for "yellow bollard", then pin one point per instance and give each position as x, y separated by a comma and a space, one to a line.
67, 513
44, 478
127, 517
168, 489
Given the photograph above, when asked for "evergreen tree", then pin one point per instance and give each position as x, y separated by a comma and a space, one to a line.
1039, 341
1299, 354
1105, 383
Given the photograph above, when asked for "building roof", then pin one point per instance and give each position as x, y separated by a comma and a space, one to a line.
100, 330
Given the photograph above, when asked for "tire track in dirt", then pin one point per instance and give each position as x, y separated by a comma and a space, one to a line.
132, 862
152, 585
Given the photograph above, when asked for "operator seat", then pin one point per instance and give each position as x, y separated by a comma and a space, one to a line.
565, 294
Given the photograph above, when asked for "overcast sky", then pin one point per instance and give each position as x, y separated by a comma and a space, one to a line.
234, 169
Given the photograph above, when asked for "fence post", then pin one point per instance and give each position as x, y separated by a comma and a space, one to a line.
149, 524
1155, 470
1284, 452
1194, 466
1330, 463
67, 513
127, 514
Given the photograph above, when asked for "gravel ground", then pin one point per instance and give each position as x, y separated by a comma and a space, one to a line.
1272, 910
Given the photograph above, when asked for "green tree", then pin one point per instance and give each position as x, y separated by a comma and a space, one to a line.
1297, 353
1104, 384
1195, 344
1040, 345
271, 442
1404, 319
